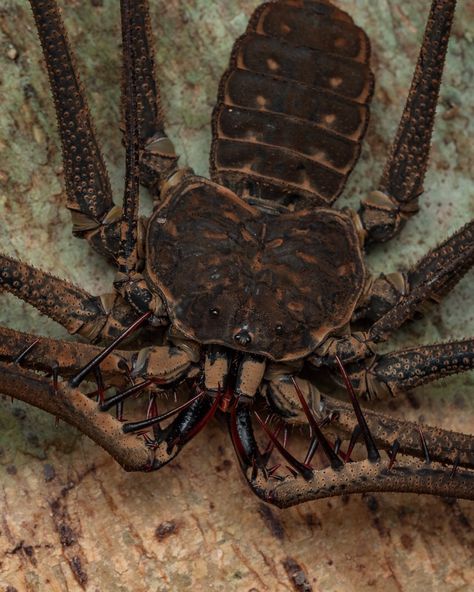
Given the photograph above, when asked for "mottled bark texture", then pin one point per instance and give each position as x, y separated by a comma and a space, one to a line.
70, 518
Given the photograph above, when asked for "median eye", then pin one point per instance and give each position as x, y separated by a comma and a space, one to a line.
279, 329
214, 312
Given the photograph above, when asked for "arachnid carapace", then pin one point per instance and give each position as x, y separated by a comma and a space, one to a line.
249, 291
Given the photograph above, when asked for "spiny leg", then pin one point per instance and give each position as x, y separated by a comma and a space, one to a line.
164, 365
372, 452
193, 416
404, 370
89, 194
95, 318
72, 406
394, 298
95, 362
384, 212
159, 364
394, 474
300, 406
444, 446
143, 367
43, 354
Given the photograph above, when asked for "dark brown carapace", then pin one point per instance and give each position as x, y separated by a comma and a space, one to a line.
247, 292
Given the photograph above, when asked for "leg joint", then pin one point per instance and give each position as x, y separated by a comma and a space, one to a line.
381, 216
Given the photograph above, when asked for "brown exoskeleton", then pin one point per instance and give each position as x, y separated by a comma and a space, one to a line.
250, 285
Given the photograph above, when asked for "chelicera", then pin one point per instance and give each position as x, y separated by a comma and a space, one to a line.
245, 288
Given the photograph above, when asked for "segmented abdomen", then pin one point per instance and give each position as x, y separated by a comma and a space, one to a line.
293, 105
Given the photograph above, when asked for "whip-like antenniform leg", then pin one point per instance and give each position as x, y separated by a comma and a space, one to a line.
89, 195
393, 474
383, 213
127, 256
142, 114
110, 230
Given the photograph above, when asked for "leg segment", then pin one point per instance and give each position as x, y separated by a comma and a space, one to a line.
444, 446
150, 366
395, 298
43, 354
77, 409
141, 109
378, 430
158, 159
89, 195
397, 372
384, 212
305, 484
160, 364
72, 406
95, 318
127, 256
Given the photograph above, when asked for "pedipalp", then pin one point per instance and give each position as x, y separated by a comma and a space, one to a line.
414, 463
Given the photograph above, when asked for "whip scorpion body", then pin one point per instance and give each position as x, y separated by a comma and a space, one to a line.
244, 290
